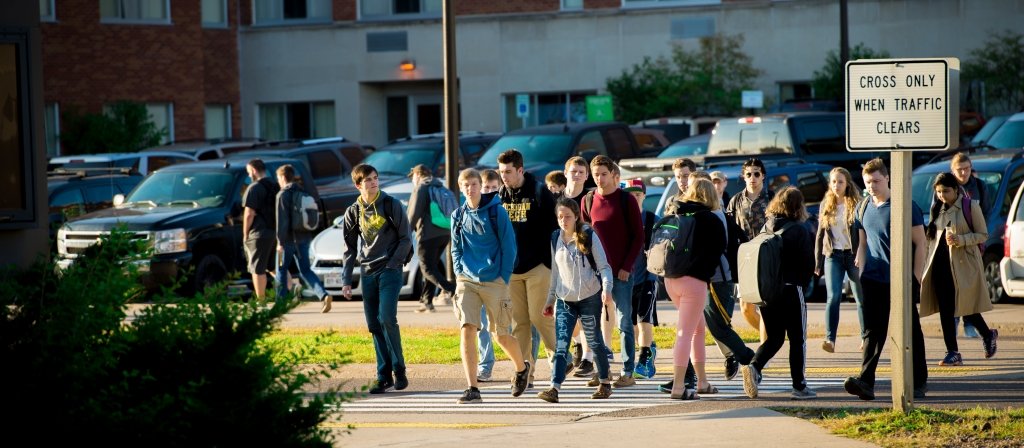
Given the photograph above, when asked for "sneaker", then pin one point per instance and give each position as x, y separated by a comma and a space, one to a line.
577, 354
471, 395
422, 309
644, 367
751, 379
828, 346
803, 394
624, 381
952, 359
732, 367
327, 304
447, 297
603, 391
921, 392
594, 382
483, 377
585, 369
401, 381
381, 386
666, 388
990, 344
856, 386
550, 395
520, 381
568, 369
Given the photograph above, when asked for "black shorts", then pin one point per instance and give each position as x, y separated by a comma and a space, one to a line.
643, 302
260, 254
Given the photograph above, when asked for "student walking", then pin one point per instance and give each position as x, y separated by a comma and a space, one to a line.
748, 208
873, 224
581, 281
834, 247
431, 239
786, 315
577, 175
483, 253
491, 184
258, 217
293, 240
377, 237
644, 287
954, 280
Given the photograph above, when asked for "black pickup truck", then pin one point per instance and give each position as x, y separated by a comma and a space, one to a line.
546, 148
189, 214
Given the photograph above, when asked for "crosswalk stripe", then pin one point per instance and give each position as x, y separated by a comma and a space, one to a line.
574, 397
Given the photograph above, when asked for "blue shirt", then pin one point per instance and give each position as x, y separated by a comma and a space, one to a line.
875, 223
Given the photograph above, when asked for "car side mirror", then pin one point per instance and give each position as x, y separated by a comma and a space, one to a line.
118, 199
339, 221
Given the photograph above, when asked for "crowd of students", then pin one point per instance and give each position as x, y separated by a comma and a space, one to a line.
546, 260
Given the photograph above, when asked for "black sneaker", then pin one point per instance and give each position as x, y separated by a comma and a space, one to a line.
856, 386
990, 344
577, 354
471, 395
520, 381
401, 381
732, 367
667, 387
381, 386
585, 369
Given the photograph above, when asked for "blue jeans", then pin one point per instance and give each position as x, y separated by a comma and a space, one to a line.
299, 251
837, 267
622, 293
485, 348
380, 306
588, 313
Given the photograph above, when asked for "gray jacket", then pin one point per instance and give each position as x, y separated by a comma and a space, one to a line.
383, 242
572, 277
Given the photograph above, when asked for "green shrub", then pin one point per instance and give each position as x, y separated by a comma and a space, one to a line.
194, 372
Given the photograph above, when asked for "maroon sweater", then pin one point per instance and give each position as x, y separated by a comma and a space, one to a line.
622, 237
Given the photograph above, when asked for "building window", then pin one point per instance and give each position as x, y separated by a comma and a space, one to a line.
664, 3
283, 12
17, 204
218, 121
286, 121
399, 9
135, 11
548, 108
572, 5
47, 11
51, 126
215, 13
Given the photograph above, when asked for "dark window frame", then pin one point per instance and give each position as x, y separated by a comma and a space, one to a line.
25, 216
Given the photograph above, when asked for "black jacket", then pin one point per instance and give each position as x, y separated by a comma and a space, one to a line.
797, 251
708, 242
531, 208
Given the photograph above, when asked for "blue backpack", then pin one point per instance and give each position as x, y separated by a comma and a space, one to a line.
442, 204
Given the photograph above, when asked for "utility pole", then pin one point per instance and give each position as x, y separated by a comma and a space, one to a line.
451, 109
844, 41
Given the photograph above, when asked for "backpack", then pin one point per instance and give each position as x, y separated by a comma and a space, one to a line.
305, 212
442, 204
671, 250
590, 251
760, 267
387, 204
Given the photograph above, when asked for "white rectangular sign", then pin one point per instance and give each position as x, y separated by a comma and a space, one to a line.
902, 104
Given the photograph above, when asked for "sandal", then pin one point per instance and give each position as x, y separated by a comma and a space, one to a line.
688, 394
710, 390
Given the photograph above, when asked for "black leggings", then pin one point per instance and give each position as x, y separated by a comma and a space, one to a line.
945, 291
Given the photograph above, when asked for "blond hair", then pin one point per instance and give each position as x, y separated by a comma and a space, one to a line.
702, 191
830, 205
469, 173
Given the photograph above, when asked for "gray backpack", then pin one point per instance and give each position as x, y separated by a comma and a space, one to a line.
760, 267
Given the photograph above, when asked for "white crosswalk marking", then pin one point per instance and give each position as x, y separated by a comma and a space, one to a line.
574, 397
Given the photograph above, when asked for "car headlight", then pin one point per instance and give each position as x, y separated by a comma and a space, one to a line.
170, 241
62, 247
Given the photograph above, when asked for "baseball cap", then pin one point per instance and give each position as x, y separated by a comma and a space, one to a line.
718, 175
636, 184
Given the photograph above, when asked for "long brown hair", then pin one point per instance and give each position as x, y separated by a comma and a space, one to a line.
788, 203
581, 238
831, 203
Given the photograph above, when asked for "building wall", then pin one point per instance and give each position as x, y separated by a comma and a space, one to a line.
554, 51
89, 64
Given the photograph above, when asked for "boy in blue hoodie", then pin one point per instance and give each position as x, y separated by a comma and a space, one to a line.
483, 255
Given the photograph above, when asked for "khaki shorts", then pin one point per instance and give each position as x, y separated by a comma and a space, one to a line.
493, 296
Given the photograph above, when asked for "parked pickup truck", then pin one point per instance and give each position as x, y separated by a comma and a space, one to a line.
189, 214
546, 148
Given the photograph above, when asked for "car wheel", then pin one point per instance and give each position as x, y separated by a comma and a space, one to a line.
995, 284
209, 272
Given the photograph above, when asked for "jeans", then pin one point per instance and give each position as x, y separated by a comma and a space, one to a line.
622, 293
299, 251
876, 321
728, 341
588, 313
837, 267
433, 269
380, 306
485, 348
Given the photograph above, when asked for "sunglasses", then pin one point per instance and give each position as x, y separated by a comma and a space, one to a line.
752, 174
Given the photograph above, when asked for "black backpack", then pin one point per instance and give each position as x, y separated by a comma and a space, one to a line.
671, 250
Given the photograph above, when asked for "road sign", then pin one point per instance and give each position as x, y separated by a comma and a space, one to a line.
902, 104
522, 105
752, 99
599, 108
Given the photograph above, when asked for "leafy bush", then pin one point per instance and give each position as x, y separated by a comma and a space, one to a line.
999, 64
125, 127
828, 80
78, 370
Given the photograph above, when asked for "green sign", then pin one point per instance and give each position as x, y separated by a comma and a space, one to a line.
599, 108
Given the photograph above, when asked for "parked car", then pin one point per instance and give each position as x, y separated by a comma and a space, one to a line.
84, 191
207, 149
395, 160
328, 159
649, 139
139, 162
328, 247
1001, 172
1010, 135
679, 128
658, 170
546, 148
189, 214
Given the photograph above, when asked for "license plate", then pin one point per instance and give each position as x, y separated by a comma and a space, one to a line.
332, 280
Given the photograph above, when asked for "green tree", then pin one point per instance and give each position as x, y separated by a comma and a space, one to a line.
125, 127
703, 82
828, 81
999, 63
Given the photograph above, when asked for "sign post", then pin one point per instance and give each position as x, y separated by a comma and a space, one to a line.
902, 105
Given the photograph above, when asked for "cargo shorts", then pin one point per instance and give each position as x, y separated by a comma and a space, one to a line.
493, 296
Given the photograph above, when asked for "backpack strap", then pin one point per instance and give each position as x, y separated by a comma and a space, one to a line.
588, 203
648, 219
965, 208
387, 203
862, 206
590, 250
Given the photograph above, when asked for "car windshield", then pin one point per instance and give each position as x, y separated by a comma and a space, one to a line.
195, 189
400, 160
991, 126
549, 148
922, 190
685, 148
1009, 135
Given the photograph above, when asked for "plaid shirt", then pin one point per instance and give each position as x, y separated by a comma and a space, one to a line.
750, 215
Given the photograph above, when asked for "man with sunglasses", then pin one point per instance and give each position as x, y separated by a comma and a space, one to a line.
748, 209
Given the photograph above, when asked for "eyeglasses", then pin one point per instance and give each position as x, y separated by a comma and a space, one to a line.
752, 174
